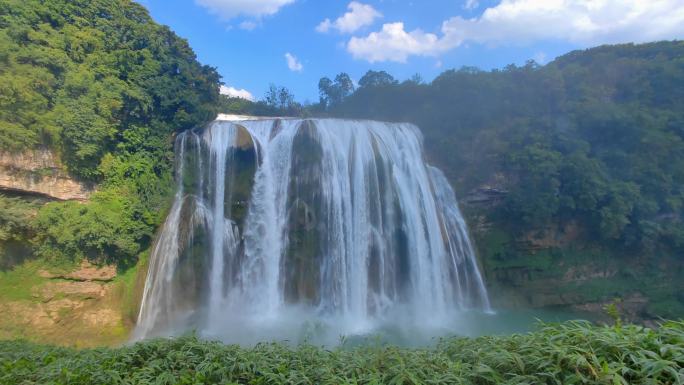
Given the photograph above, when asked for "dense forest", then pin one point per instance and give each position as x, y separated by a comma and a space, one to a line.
104, 87
595, 136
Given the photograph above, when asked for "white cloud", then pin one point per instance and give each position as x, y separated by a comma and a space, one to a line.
227, 9
471, 4
292, 63
248, 25
583, 22
359, 16
236, 93
580, 22
324, 26
394, 44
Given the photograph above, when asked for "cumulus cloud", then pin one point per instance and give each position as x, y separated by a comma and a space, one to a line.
236, 93
392, 43
227, 9
581, 22
324, 26
584, 22
293, 63
359, 16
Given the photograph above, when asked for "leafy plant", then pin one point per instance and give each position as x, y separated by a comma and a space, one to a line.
569, 353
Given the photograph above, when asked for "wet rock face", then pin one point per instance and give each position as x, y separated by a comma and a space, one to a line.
38, 173
244, 140
193, 251
193, 166
240, 182
301, 262
241, 166
195, 170
485, 196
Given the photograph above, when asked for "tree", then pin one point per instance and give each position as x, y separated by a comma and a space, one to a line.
376, 79
333, 93
325, 90
344, 85
278, 101
271, 97
285, 98
416, 79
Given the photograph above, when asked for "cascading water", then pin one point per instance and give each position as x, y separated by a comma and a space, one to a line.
290, 229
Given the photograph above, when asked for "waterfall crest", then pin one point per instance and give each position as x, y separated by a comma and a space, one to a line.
339, 220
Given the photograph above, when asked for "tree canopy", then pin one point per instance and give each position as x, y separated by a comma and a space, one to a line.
376, 79
333, 93
594, 137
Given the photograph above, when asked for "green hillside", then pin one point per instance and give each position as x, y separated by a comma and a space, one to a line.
105, 87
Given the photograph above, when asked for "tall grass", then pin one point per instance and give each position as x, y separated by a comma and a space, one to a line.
569, 353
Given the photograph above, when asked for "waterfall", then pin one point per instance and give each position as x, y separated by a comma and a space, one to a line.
285, 227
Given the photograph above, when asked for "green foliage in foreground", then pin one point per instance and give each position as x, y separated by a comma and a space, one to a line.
571, 353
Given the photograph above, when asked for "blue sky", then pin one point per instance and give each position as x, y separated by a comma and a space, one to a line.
253, 43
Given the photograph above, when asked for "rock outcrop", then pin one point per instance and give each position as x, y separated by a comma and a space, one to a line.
38, 172
559, 265
485, 196
84, 307
87, 272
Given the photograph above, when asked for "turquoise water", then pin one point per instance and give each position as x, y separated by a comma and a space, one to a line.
466, 324
300, 325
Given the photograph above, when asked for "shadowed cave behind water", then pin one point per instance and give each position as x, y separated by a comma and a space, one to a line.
289, 229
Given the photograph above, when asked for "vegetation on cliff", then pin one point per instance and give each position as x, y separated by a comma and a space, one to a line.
278, 101
594, 136
571, 353
101, 84
16, 223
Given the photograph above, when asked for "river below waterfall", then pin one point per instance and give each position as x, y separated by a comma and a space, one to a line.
296, 325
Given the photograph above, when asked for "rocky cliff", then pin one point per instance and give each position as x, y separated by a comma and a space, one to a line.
38, 172
559, 266
79, 305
